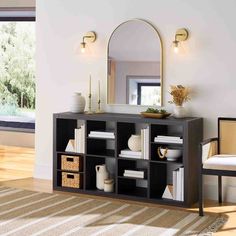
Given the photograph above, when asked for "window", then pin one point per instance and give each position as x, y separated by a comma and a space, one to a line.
148, 92
17, 69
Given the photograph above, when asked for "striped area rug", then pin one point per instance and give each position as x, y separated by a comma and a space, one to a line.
34, 213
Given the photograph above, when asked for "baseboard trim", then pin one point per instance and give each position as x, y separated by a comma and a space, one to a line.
43, 172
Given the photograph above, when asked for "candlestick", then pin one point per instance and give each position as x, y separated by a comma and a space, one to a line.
90, 96
99, 99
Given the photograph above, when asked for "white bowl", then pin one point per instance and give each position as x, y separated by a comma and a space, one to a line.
171, 154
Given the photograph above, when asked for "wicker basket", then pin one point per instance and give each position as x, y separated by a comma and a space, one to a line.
73, 163
71, 180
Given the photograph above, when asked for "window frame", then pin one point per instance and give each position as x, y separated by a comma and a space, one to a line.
17, 14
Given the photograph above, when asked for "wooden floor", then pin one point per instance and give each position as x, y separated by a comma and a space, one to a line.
16, 170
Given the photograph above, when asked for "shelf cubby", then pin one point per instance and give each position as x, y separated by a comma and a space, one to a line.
105, 150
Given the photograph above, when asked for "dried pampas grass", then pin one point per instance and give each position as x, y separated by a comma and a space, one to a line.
180, 94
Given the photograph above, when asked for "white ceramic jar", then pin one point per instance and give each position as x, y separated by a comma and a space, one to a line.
109, 185
134, 143
78, 103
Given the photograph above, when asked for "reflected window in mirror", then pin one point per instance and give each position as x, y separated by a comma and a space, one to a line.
135, 65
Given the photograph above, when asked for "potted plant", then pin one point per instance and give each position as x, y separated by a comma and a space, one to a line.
180, 95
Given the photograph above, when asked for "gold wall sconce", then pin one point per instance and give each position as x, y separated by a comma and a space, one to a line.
180, 35
89, 37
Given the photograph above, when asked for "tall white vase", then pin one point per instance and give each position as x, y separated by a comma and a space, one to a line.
78, 103
179, 112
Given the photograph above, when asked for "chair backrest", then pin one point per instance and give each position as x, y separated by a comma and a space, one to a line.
227, 135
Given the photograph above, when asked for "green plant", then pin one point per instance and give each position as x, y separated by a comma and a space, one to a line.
158, 111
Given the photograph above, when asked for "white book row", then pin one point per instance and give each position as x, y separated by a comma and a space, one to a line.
145, 140
79, 139
176, 191
78, 143
178, 184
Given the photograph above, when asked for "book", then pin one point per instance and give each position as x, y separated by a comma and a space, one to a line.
175, 184
129, 152
130, 156
181, 169
107, 133
167, 141
101, 136
133, 175
168, 137
135, 172
142, 143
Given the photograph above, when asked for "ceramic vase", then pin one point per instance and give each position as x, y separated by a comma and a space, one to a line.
101, 175
78, 103
134, 143
179, 112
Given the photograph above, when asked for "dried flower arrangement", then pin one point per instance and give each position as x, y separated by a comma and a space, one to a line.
180, 94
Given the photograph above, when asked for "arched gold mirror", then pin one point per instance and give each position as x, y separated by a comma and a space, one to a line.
134, 75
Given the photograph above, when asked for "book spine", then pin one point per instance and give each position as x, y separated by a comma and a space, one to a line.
132, 175
175, 184
142, 143
130, 156
131, 153
141, 173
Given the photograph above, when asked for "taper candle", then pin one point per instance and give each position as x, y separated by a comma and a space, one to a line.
99, 90
90, 81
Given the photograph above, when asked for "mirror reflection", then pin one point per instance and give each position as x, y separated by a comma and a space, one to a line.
135, 65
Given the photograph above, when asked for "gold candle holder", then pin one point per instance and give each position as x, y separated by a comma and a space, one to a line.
90, 97
99, 99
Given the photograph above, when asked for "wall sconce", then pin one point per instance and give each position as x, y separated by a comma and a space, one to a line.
180, 35
89, 37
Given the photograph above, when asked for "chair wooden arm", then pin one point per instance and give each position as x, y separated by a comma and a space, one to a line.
209, 148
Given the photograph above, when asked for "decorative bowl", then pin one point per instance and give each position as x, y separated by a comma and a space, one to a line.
155, 115
170, 154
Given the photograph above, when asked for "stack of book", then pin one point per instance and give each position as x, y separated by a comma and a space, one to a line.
79, 139
130, 154
102, 134
145, 139
178, 184
168, 139
135, 173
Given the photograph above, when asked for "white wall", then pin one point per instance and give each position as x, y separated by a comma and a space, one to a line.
208, 64
17, 3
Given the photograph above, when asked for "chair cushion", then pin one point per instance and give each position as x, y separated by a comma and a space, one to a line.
221, 162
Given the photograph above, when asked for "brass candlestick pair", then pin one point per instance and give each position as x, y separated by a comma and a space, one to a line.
90, 99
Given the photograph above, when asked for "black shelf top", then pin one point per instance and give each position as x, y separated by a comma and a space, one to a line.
127, 177
70, 153
167, 162
70, 171
132, 159
105, 153
178, 145
122, 117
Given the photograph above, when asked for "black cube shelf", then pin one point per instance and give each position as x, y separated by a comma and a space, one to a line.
106, 151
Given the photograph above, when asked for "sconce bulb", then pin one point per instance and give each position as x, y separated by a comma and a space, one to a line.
176, 46
82, 47
176, 49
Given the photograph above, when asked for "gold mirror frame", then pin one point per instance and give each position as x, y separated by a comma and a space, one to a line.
161, 61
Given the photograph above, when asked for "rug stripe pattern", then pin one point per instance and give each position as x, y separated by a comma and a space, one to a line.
32, 213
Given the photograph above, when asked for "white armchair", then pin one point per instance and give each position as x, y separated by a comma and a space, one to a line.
218, 156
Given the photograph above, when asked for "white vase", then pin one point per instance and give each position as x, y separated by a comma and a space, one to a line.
134, 143
78, 103
179, 112
101, 175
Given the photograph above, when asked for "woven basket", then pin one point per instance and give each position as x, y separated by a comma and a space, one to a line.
71, 163
71, 180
